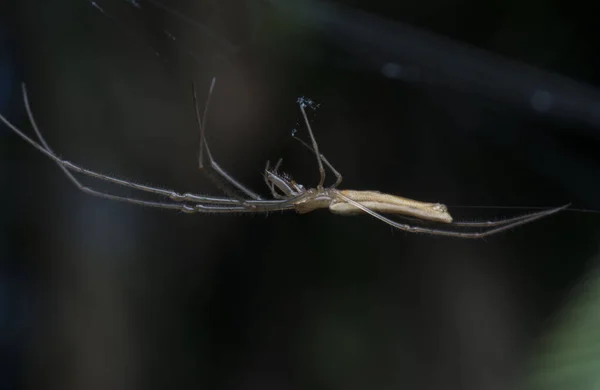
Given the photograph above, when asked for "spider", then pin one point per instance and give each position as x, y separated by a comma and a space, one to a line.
286, 193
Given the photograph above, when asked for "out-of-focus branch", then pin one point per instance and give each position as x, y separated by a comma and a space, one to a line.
403, 52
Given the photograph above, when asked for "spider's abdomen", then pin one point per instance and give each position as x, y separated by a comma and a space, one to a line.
390, 204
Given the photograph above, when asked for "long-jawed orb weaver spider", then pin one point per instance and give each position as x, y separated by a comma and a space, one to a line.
286, 193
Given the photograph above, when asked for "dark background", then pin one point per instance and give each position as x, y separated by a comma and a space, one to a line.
459, 102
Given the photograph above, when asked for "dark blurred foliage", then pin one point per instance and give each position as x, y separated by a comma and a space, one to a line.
461, 102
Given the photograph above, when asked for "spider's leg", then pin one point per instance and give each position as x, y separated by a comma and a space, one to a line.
416, 229
211, 163
68, 166
337, 174
315, 145
500, 222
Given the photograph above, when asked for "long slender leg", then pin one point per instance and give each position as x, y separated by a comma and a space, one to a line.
484, 224
74, 180
200, 208
211, 162
338, 175
302, 104
475, 224
415, 229
195, 208
175, 196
